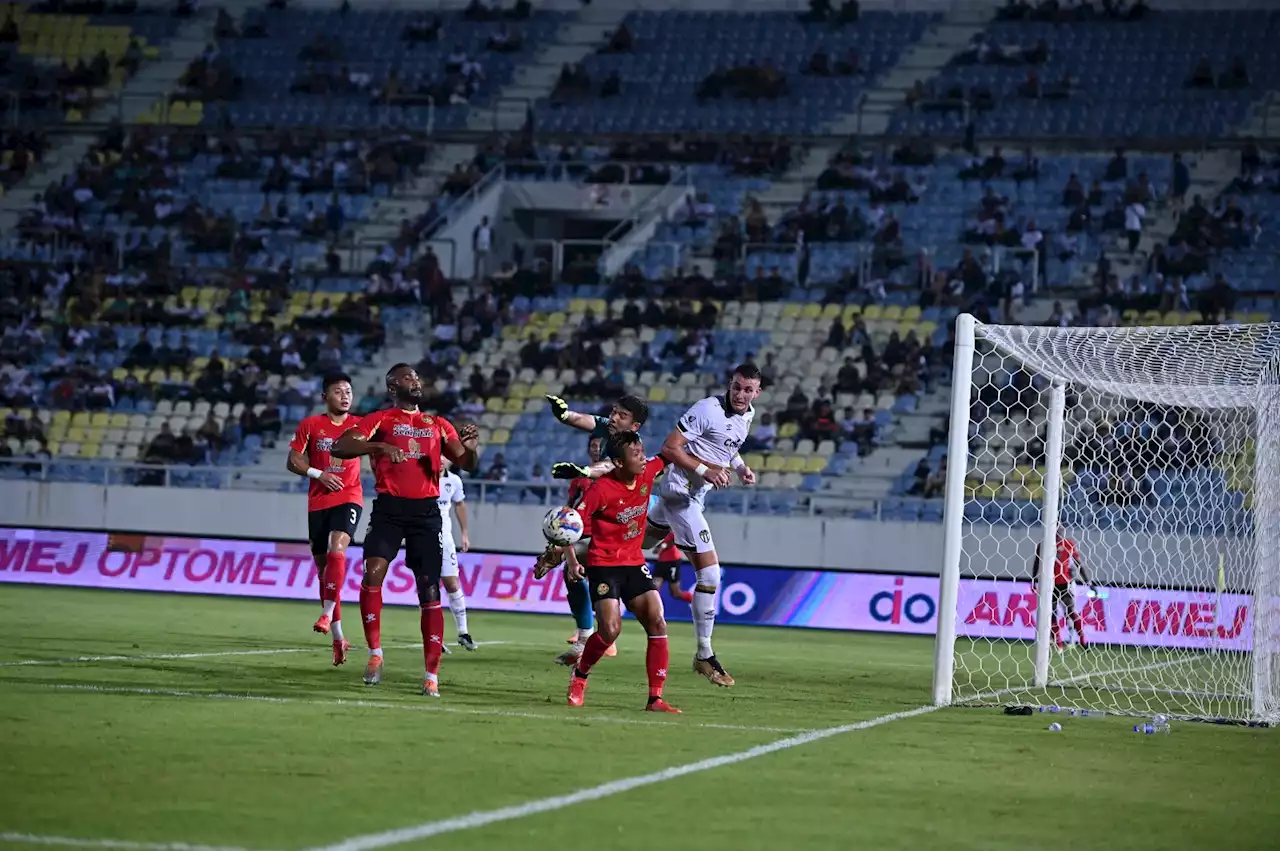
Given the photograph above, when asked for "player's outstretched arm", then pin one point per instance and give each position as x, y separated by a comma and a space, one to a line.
353, 444
559, 407
570, 470
463, 450
675, 449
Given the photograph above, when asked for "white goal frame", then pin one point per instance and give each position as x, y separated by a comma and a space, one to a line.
1259, 390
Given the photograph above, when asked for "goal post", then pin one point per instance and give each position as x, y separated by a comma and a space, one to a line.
1141, 464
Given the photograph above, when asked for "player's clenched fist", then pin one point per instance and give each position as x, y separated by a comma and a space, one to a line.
559, 407
568, 470
469, 434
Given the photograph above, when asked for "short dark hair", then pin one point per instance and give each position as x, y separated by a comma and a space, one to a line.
399, 366
749, 371
332, 379
636, 407
619, 443
592, 438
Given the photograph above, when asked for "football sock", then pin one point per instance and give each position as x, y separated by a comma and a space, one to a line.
1078, 623
681, 594
1054, 630
458, 605
371, 616
656, 657
593, 652
704, 608
335, 631
580, 603
432, 621
334, 575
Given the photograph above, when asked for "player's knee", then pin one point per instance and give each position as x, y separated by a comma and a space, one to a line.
656, 625
609, 629
450, 584
708, 578
428, 591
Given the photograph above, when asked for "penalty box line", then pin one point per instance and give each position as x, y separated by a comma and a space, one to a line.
482, 818
117, 844
149, 657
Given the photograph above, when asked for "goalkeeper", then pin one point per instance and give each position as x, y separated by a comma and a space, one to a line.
1066, 561
627, 414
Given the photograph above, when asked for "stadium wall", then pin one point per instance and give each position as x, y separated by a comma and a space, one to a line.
1166, 561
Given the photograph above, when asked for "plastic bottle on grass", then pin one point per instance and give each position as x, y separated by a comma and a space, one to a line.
1088, 713
1156, 726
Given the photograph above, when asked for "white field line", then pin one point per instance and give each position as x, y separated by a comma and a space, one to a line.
119, 844
405, 707
148, 657
481, 818
1089, 675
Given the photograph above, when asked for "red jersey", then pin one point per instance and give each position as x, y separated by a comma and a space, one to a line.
314, 439
421, 436
669, 552
1064, 561
618, 517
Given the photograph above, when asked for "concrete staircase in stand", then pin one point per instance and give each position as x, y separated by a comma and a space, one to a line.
535, 80
921, 61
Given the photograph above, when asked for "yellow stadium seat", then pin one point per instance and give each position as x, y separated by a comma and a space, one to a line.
577, 305
89, 450
797, 464
851, 312
788, 431
775, 463
61, 417
494, 404
500, 437
80, 418
513, 406
791, 310
658, 394
100, 419
892, 312
811, 311
519, 391
873, 311
830, 311
815, 464
911, 314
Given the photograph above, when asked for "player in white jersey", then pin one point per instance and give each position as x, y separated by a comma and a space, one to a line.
452, 495
702, 449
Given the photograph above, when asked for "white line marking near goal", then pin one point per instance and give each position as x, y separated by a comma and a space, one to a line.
372, 841
120, 844
148, 657
406, 707
1088, 675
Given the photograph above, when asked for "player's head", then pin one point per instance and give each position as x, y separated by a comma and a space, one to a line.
336, 392
626, 449
628, 414
595, 448
404, 385
744, 387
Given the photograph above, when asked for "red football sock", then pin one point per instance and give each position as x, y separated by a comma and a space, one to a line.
371, 616
331, 582
656, 657
432, 621
1078, 623
1053, 631
591, 653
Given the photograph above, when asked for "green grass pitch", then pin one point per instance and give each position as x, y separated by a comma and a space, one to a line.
143, 750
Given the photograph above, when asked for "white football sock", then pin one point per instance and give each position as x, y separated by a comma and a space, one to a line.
704, 609
335, 630
328, 606
458, 605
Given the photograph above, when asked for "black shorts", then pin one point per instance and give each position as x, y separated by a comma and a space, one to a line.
619, 583
336, 518
1064, 594
416, 524
668, 571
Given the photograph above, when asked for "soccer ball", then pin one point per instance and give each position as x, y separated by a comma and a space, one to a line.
562, 526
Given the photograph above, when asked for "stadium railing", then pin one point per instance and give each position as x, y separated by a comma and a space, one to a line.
742, 501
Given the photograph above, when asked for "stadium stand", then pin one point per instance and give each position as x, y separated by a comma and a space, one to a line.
182, 243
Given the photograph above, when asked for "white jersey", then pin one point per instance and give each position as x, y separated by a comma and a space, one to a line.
715, 434
451, 493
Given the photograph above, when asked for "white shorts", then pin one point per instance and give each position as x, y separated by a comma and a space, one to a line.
449, 564
682, 514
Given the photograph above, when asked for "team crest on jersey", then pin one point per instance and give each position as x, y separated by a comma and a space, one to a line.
426, 421
602, 589
413, 449
705, 536
644, 490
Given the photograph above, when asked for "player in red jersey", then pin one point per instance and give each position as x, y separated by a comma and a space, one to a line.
616, 507
1066, 560
335, 500
407, 461
670, 557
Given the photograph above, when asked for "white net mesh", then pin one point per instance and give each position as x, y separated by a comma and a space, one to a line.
1162, 431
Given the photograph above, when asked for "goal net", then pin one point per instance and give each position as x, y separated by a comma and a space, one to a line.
1112, 526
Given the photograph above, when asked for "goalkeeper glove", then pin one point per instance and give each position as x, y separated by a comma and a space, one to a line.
559, 407
568, 470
